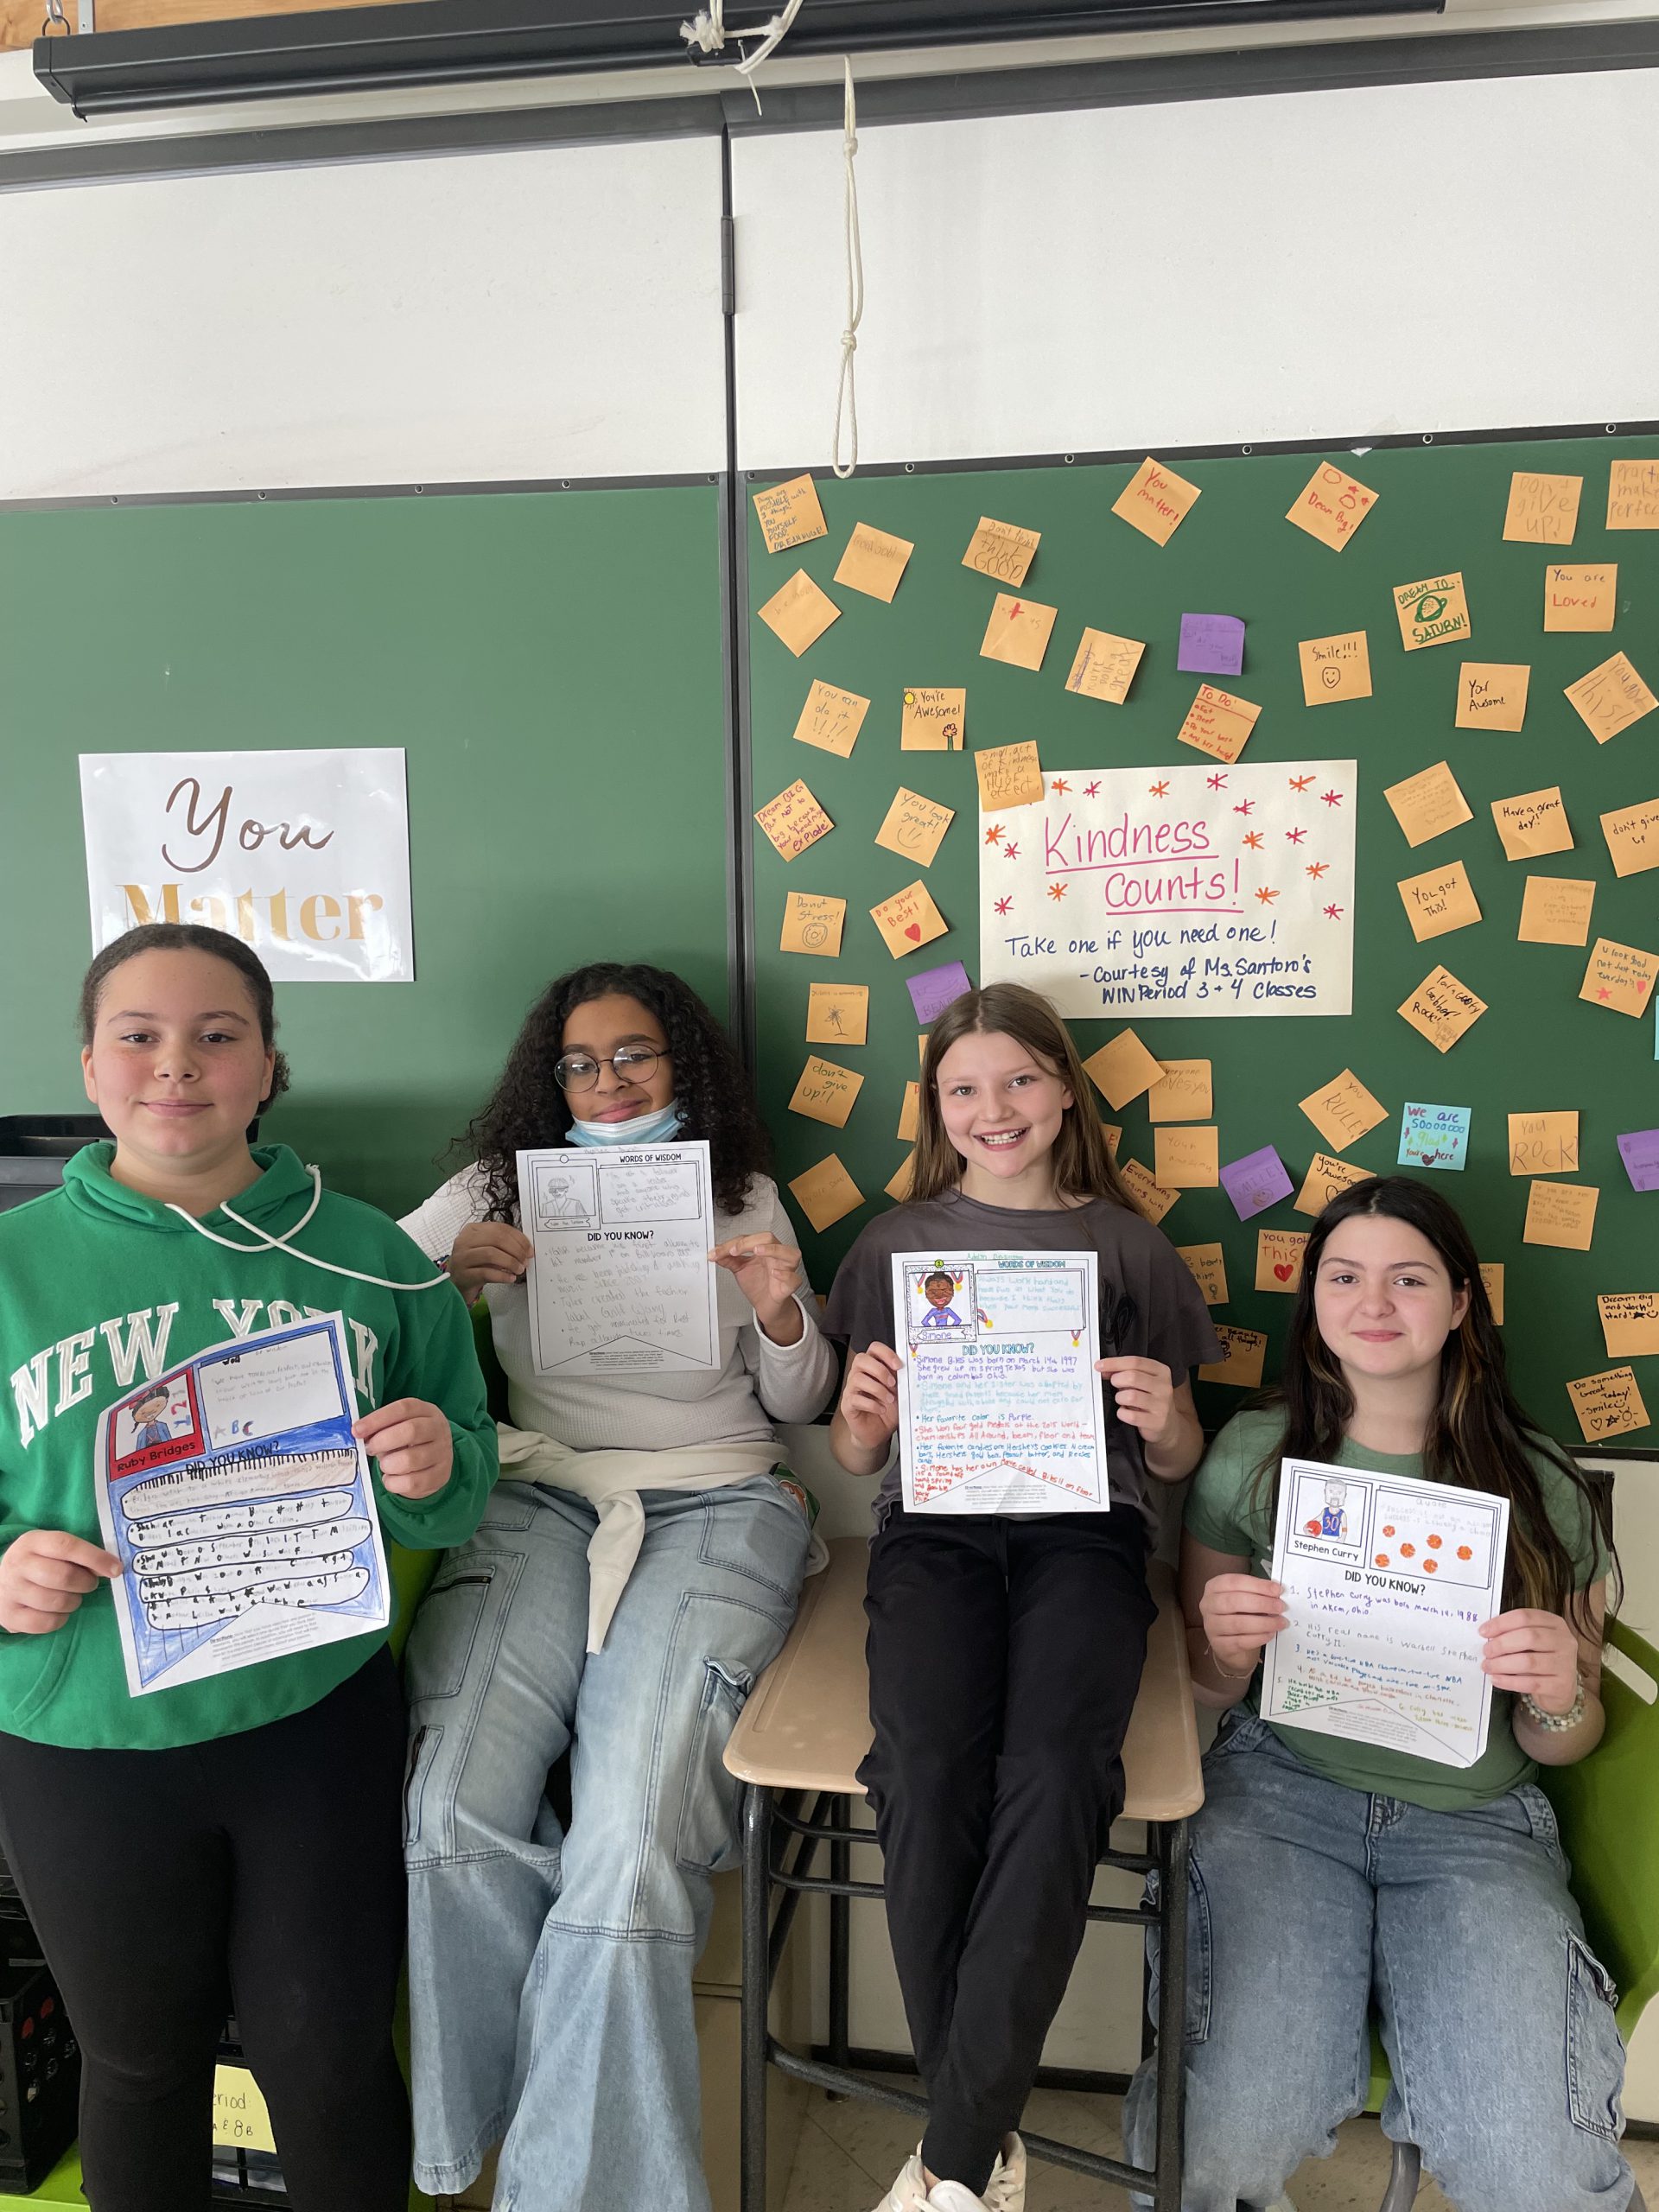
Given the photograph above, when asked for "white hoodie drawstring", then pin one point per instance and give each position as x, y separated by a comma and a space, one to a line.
267, 1243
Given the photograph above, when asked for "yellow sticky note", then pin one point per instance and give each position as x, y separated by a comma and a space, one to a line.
1331, 505
1441, 898
1442, 1009
1325, 1176
1240, 1365
812, 923
933, 718
1630, 1322
1620, 977
1278, 1255
1555, 910
1186, 1156
1342, 1111
1491, 1273
898, 1188
800, 612
837, 1013
1335, 668
1428, 804
1218, 723
1018, 631
827, 1192
915, 826
1633, 495
793, 820
831, 719
241, 2116
1492, 694
789, 514
1542, 510
1009, 775
1002, 549
1610, 698
1609, 1404
873, 562
1632, 834
1544, 1144
826, 1092
1184, 1092
1155, 501
1581, 598
910, 1114
1431, 612
908, 920
1103, 666
1562, 1214
1122, 1069
1207, 1265
1150, 1195
1534, 823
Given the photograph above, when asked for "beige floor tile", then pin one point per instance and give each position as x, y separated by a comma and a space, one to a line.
824, 2178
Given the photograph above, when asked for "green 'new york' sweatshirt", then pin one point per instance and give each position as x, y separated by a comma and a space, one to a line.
101, 1288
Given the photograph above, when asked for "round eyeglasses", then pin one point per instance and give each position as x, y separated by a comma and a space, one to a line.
578, 1071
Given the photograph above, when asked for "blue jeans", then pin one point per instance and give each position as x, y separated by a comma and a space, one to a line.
1309, 1905
550, 1972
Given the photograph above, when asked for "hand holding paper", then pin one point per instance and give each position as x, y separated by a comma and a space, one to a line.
413, 1444
766, 1271
44, 1575
869, 1397
488, 1251
1533, 1655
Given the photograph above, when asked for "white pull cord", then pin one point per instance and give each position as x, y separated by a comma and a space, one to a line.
281, 1243
846, 390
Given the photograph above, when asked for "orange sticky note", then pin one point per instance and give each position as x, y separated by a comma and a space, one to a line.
1491, 1273
793, 820
800, 612
1542, 510
1620, 977
1610, 698
1151, 1197
1544, 1144
1278, 1255
812, 923
1442, 1009
910, 1114
1431, 612
1155, 501
1018, 631
1183, 1093
1009, 775
1609, 1404
1581, 598
837, 1013
1630, 1322
831, 719
1633, 495
1331, 505
1240, 1365
1562, 1214
1218, 723
1186, 1156
915, 826
908, 920
1632, 834
1555, 910
898, 1188
1327, 1176
1342, 1111
1122, 1069
932, 718
826, 1193
1207, 1265
789, 514
1440, 900
1534, 823
1335, 668
1492, 694
1428, 804
826, 1092
1002, 549
1103, 666
873, 562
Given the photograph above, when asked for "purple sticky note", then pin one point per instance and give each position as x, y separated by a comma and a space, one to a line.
1640, 1151
1255, 1182
1212, 645
933, 990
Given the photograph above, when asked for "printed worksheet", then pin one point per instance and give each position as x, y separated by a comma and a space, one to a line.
1386, 1580
999, 1407
621, 1282
240, 1505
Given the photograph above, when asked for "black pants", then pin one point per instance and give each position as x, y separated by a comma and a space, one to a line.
1005, 1656
265, 1867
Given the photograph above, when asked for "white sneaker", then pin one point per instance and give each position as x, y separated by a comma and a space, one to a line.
909, 2192
955, 2197
1006, 2189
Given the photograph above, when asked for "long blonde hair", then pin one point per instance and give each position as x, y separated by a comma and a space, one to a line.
1083, 1166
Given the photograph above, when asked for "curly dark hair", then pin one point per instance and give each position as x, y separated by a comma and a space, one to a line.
527, 1111
189, 937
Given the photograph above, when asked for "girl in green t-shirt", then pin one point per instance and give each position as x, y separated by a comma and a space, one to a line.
1333, 1878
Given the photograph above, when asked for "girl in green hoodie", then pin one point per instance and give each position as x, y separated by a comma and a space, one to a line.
234, 1840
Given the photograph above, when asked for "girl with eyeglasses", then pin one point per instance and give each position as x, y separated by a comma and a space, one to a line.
636, 1571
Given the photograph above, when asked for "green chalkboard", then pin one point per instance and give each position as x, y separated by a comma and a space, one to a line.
1438, 509
549, 662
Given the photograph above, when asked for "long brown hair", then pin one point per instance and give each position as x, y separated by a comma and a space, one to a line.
1479, 1435
1083, 1166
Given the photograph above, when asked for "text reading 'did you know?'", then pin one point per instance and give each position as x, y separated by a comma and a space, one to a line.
1214, 889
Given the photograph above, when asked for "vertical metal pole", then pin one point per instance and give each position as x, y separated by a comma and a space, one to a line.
1172, 2013
1153, 1844
840, 1864
756, 1819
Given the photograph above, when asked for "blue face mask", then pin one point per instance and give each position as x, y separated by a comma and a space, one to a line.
644, 1128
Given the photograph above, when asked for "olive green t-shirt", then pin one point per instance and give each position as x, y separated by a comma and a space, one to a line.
1225, 1511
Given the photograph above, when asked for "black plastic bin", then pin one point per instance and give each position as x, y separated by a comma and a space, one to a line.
33, 1149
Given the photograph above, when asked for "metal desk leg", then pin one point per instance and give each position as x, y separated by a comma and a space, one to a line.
1171, 2012
755, 1816
840, 1863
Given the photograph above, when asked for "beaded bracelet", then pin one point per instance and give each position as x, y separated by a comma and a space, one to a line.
1556, 1723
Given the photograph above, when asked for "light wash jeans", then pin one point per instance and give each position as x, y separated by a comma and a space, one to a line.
1308, 1904
550, 1972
